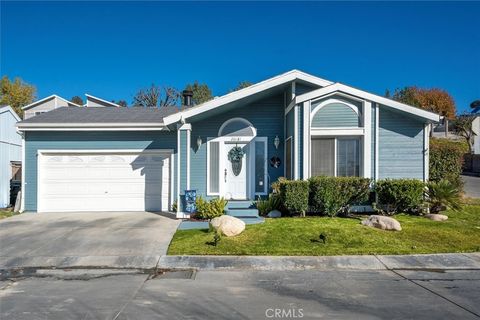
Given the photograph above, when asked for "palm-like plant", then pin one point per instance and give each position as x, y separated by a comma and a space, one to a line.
443, 195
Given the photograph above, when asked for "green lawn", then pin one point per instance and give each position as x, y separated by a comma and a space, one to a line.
298, 236
6, 213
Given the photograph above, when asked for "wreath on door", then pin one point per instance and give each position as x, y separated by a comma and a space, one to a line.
235, 156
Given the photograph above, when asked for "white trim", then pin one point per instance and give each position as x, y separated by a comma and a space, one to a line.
33, 104
248, 123
43, 152
22, 200
377, 117
94, 129
368, 96
179, 214
101, 100
172, 182
248, 91
367, 139
296, 144
188, 159
88, 126
426, 152
330, 101
294, 88
290, 107
335, 156
306, 139
337, 131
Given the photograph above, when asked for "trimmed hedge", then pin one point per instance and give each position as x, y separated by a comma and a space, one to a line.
294, 195
400, 195
446, 160
334, 195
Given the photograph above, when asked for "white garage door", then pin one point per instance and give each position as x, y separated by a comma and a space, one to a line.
113, 181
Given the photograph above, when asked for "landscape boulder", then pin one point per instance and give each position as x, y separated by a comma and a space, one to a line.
274, 214
436, 217
382, 222
228, 225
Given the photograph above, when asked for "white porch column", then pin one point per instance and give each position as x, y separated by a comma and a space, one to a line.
306, 139
296, 141
367, 139
183, 174
426, 152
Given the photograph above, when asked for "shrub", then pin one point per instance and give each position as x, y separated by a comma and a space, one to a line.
210, 209
446, 160
334, 195
294, 195
400, 195
443, 195
264, 206
276, 185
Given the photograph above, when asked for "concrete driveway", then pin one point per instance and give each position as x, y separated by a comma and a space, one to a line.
472, 186
95, 239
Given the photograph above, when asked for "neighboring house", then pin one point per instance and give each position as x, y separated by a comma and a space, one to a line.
97, 102
294, 125
46, 104
476, 138
10, 151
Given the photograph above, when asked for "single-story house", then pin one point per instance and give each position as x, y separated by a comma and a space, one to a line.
294, 125
10, 151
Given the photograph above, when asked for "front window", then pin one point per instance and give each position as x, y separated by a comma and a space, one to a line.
335, 157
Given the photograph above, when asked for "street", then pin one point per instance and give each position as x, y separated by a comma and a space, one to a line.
309, 294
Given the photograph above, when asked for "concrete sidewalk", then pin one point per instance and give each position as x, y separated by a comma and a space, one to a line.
449, 261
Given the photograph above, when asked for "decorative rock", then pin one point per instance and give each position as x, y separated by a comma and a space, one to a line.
274, 214
436, 217
382, 222
228, 225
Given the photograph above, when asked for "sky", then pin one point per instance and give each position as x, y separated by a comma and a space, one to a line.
112, 49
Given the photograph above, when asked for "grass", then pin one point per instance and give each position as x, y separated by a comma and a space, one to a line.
5, 213
345, 236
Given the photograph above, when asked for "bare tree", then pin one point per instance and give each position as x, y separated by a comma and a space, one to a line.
156, 96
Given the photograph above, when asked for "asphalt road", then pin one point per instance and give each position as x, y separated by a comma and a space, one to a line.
372, 294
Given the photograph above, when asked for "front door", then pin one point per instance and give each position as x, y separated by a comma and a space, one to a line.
235, 173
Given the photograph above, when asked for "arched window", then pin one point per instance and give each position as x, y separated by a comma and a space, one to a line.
237, 127
335, 113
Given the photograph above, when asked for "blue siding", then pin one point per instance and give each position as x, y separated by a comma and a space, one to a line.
35, 141
300, 141
301, 88
400, 145
373, 133
335, 115
266, 115
290, 122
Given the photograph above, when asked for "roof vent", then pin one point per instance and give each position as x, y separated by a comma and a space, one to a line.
187, 98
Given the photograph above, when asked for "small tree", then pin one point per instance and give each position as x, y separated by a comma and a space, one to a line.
242, 85
201, 92
121, 103
462, 126
16, 94
77, 100
156, 96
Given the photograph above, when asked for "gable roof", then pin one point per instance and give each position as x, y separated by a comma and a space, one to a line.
36, 103
248, 91
339, 87
9, 109
326, 88
107, 117
108, 103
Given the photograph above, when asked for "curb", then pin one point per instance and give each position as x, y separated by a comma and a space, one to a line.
453, 261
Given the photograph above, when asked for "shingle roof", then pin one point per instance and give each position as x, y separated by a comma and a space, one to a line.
106, 115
